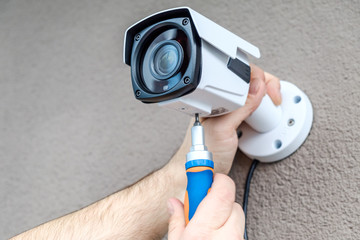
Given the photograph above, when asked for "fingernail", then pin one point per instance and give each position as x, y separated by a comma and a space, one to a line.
278, 100
254, 86
170, 207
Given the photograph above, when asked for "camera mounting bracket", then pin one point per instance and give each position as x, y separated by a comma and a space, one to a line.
273, 133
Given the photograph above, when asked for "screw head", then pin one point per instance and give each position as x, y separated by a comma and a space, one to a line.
185, 21
137, 93
137, 37
291, 122
186, 80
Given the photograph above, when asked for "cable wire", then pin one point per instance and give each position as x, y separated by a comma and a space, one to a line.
247, 191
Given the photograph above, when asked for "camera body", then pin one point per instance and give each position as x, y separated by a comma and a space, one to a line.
184, 61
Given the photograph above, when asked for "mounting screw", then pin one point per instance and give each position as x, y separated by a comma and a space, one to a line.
186, 80
185, 21
291, 122
137, 37
137, 93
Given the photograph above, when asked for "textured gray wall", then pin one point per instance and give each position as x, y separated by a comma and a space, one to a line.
71, 131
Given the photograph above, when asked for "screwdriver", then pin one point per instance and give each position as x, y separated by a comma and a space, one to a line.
199, 170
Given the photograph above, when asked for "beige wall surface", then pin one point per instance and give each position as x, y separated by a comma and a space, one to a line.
71, 131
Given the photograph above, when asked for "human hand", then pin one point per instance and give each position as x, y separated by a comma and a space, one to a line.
217, 217
220, 132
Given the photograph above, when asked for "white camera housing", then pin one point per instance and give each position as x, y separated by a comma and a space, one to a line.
211, 77
219, 89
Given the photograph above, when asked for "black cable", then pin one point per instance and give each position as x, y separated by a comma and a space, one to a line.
247, 191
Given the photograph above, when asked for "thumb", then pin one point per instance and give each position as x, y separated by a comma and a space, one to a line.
177, 219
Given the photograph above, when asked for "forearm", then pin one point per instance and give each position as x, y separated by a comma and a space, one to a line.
137, 212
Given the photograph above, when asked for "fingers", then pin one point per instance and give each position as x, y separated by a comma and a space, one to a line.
236, 222
177, 219
260, 83
217, 206
273, 88
217, 216
257, 91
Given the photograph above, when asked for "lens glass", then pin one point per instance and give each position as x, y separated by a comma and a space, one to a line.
166, 59
163, 60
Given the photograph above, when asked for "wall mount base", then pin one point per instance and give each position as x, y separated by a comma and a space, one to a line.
285, 138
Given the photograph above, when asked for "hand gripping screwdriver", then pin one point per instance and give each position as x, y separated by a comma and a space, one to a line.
199, 170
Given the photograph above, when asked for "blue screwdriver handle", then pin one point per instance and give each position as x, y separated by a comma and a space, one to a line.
200, 175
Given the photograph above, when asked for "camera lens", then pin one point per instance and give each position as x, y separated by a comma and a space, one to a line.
166, 59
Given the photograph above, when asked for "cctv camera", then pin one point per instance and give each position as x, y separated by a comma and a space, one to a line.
186, 62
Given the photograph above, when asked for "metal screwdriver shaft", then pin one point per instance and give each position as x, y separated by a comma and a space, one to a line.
199, 170
197, 120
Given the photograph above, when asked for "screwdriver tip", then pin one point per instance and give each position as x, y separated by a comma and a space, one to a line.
197, 120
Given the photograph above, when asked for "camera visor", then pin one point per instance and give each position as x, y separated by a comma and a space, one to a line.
166, 59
